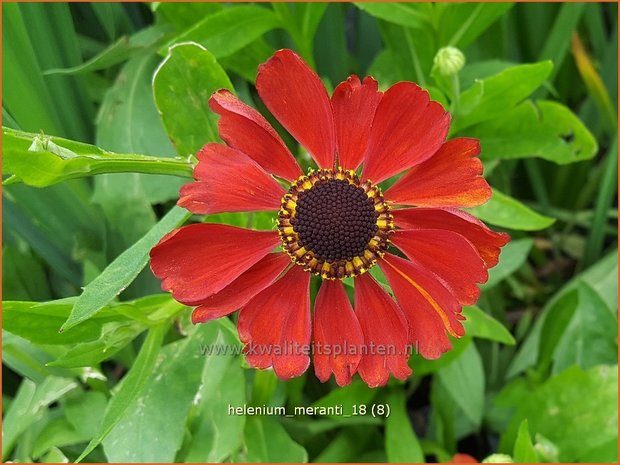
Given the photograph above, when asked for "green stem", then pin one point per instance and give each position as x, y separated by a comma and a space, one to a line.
414, 58
456, 91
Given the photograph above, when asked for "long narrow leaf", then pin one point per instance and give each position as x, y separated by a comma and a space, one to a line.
131, 386
122, 271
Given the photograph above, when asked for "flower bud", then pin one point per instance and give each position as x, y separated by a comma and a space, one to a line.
449, 61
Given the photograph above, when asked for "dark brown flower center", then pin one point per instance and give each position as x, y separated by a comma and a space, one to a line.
335, 220
334, 225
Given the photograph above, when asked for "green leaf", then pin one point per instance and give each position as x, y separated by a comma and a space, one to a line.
23, 273
58, 432
383, 69
28, 404
422, 367
591, 337
129, 122
116, 53
29, 360
23, 85
464, 380
412, 53
122, 271
39, 322
229, 30
74, 231
601, 277
130, 387
508, 212
114, 336
246, 61
348, 444
413, 15
554, 133
401, 442
182, 85
482, 325
524, 451
216, 434
85, 411
57, 50
492, 96
461, 23
183, 15
559, 37
159, 413
301, 21
356, 393
39, 160
267, 441
309, 16
55, 455
475, 71
514, 254
576, 410
555, 323
605, 198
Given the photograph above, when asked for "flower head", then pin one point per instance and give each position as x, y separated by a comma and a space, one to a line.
335, 222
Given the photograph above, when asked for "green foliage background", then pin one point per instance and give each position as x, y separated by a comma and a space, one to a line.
104, 105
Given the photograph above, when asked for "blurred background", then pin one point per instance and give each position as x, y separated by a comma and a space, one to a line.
536, 377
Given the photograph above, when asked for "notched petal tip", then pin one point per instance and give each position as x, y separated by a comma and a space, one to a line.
383, 325
296, 96
452, 177
245, 129
487, 242
408, 128
337, 336
275, 325
354, 105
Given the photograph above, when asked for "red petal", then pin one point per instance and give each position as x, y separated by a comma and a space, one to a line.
487, 242
275, 325
450, 178
354, 109
245, 129
337, 334
241, 290
296, 96
407, 129
199, 260
385, 334
428, 306
229, 181
449, 256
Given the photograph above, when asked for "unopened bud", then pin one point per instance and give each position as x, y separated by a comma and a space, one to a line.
449, 61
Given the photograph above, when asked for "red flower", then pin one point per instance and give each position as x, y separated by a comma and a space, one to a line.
336, 224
